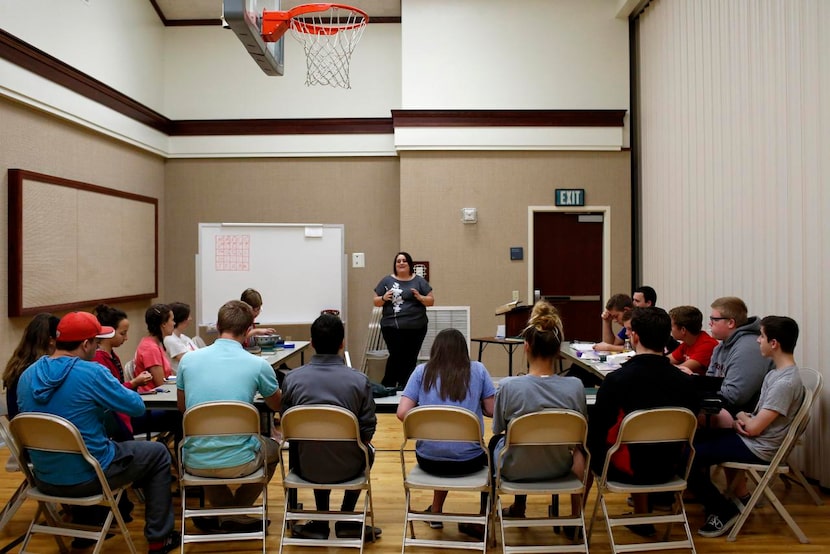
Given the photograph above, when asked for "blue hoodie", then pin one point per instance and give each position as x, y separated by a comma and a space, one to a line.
82, 392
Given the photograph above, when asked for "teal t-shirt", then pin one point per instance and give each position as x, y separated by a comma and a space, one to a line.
223, 371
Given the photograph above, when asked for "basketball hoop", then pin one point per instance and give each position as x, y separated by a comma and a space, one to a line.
328, 33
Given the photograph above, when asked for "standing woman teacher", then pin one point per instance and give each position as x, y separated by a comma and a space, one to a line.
404, 297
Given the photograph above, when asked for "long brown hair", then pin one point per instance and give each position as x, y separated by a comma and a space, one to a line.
34, 343
449, 359
544, 332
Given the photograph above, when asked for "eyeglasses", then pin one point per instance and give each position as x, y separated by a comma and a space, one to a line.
714, 319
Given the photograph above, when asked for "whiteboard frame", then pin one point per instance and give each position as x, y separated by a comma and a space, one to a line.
211, 320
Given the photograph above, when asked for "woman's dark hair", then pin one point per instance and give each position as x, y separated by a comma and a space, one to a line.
408, 261
154, 317
109, 316
449, 360
543, 333
252, 298
181, 312
33, 344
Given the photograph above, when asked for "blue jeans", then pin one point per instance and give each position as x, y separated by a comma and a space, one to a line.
146, 465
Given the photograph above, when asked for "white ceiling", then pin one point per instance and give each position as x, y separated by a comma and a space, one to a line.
212, 9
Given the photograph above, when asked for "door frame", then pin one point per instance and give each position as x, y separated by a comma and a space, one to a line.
606, 243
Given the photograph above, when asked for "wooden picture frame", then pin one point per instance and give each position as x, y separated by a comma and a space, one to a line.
73, 244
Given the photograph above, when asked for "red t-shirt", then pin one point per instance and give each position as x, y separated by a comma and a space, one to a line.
148, 354
700, 351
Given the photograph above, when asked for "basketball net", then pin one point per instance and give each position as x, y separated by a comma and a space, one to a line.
328, 33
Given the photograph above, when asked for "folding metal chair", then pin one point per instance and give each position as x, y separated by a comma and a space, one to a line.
547, 428
812, 380
443, 423
763, 474
51, 433
19, 496
375, 354
660, 425
323, 423
217, 419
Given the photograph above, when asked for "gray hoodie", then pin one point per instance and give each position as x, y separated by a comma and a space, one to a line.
739, 361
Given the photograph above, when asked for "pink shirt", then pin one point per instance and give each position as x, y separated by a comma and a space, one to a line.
148, 354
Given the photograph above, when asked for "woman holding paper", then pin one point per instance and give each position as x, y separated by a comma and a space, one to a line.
404, 298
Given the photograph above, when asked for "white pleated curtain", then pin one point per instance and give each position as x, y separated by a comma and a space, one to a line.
734, 158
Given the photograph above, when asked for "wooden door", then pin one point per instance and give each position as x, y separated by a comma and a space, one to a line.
567, 268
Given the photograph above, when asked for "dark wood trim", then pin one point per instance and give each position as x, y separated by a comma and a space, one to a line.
158, 11
508, 118
15, 242
192, 22
40, 63
321, 126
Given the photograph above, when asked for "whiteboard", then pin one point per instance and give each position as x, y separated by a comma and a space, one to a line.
300, 269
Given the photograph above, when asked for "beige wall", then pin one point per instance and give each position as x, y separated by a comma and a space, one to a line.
38, 142
361, 193
470, 264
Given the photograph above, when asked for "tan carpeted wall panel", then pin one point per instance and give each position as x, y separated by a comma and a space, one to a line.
36, 141
470, 264
361, 193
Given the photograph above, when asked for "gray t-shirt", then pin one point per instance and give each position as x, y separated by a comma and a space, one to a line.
517, 396
404, 311
781, 392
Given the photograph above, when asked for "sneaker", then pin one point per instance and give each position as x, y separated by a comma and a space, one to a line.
171, 542
434, 524
351, 530
475, 530
314, 530
717, 525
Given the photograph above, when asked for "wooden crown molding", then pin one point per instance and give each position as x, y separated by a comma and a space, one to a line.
40, 63
508, 118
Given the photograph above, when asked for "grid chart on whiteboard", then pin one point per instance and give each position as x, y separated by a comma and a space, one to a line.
233, 252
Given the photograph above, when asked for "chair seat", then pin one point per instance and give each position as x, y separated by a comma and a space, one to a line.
189, 480
293, 480
35, 494
569, 484
676, 484
419, 478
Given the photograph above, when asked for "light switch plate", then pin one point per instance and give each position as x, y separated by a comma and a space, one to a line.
358, 259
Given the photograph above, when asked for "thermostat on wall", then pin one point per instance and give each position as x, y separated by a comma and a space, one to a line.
516, 253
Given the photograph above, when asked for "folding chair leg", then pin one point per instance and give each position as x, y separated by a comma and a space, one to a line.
799, 478
14, 503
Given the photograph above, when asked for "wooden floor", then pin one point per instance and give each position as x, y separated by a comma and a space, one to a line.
765, 532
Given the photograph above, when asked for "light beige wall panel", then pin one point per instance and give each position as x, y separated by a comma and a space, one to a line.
361, 193
470, 264
39, 142
736, 131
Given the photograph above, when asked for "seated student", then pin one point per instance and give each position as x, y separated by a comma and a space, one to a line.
648, 380
224, 371
326, 379
736, 359
177, 344
616, 306
449, 378
694, 353
38, 340
540, 389
644, 297
254, 300
754, 437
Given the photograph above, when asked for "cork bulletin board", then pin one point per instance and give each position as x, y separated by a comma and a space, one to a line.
74, 244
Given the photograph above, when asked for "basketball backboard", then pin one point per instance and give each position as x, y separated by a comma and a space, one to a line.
245, 19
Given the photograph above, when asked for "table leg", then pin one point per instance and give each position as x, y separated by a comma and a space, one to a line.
480, 350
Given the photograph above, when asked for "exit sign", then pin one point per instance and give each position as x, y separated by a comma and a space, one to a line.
570, 197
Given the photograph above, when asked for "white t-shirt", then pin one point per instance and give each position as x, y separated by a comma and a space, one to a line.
176, 344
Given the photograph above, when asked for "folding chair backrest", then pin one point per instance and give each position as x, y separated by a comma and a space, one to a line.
442, 423
6, 437
796, 429
658, 425
221, 418
40, 431
550, 427
319, 422
129, 370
